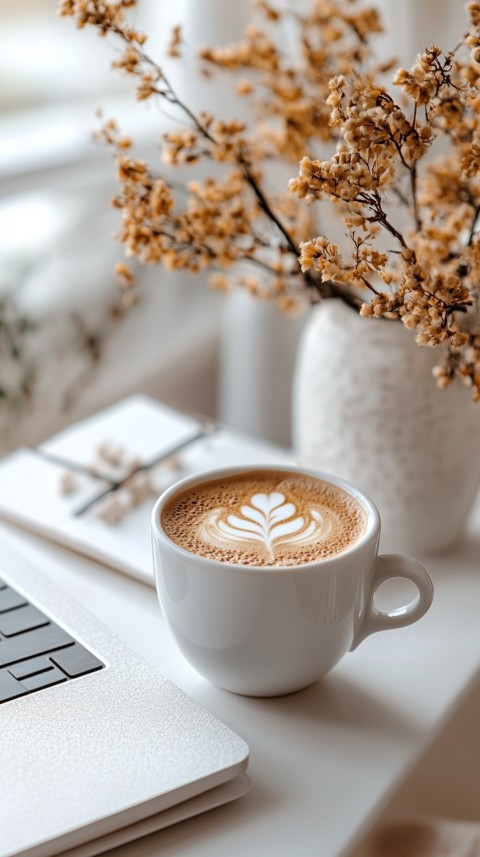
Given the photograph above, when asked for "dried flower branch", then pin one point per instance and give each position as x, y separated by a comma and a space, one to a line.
431, 274
232, 218
412, 222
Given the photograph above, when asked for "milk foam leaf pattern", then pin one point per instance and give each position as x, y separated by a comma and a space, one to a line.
270, 520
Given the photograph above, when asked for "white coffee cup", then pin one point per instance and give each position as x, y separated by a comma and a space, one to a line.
271, 630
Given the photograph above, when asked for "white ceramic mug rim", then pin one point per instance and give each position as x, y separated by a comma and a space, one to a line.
372, 529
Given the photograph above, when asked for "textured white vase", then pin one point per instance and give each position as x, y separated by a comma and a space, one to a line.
366, 408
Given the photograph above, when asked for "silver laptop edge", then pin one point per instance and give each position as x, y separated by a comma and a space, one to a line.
104, 751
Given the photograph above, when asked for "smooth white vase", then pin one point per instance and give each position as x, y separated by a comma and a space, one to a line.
366, 408
258, 346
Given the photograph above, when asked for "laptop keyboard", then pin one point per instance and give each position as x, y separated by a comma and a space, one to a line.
35, 652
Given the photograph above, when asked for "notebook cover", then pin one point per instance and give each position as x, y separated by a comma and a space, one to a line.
30, 493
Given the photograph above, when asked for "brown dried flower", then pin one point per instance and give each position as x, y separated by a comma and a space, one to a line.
413, 244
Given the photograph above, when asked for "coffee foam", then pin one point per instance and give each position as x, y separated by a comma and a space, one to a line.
264, 518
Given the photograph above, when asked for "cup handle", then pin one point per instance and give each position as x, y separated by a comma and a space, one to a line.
388, 567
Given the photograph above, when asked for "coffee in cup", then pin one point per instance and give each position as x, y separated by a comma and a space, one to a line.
267, 576
264, 517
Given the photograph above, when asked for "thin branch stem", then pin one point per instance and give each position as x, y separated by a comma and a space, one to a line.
368, 284
383, 219
413, 187
265, 206
476, 216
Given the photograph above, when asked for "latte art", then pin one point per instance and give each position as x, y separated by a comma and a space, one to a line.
264, 517
270, 520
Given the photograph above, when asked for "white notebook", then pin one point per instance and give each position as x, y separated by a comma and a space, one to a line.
30, 483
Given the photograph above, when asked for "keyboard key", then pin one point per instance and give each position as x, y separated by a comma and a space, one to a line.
30, 667
20, 620
9, 599
46, 679
38, 653
10, 688
32, 643
76, 661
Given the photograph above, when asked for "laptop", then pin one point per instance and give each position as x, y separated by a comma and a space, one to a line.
97, 747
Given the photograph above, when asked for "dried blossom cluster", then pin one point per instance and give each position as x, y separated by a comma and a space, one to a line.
413, 222
232, 224
413, 235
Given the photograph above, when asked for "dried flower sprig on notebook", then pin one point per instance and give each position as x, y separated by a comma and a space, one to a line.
139, 428
131, 483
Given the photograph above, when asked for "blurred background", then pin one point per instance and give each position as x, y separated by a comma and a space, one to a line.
62, 353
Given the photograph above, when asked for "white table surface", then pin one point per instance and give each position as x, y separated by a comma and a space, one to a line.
324, 760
